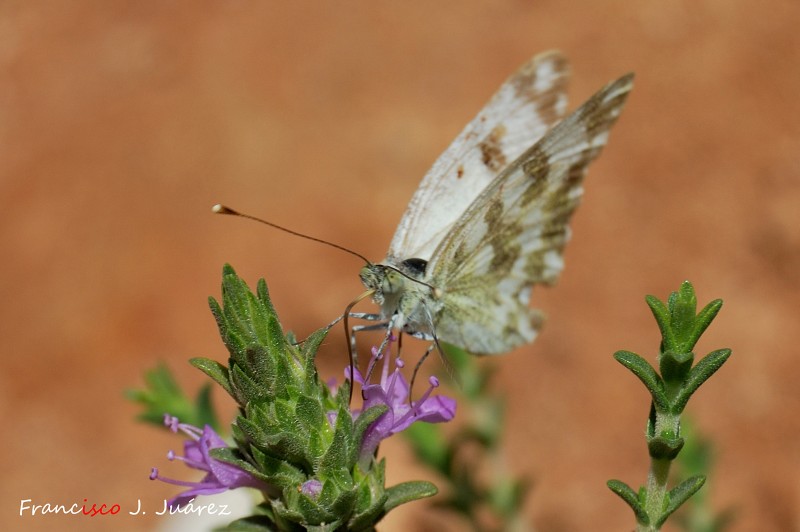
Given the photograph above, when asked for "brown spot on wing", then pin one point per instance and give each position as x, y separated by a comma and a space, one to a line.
546, 102
494, 214
548, 105
536, 168
491, 150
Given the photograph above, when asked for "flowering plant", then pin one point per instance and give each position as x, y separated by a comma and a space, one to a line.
314, 459
296, 439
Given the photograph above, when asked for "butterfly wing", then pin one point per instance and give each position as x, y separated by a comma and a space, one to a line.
521, 111
513, 234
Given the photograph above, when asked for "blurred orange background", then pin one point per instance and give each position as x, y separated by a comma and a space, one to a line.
121, 123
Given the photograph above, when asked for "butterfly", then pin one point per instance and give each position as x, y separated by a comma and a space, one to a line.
490, 218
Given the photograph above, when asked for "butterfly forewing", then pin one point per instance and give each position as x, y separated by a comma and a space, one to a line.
512, 235
519, 114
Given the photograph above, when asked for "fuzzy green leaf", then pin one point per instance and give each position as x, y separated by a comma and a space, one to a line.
339, 455
675, 367
162, 395
662, 448
662, 315
309, 412
218, 372
645, 372
679, 495
364, 420
699, 374
246, 390
682, 310
276, 471
407, 492
370, 496
703, 320
631, 498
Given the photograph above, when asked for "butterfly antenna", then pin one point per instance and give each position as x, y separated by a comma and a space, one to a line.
222, 209
351, 355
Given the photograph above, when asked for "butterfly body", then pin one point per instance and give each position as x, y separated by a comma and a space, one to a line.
405, 299
490, 219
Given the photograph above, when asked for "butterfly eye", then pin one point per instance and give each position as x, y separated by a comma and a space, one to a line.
415, 267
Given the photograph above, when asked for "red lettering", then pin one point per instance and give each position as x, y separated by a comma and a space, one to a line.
103, 509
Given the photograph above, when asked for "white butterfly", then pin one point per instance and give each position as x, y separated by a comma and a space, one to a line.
490, 218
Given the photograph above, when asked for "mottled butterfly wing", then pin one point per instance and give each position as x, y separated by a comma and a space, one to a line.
519, 114
512, 235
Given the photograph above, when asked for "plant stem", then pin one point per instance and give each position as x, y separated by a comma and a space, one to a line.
656, 491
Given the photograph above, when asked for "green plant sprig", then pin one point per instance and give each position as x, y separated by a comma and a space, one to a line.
670, 391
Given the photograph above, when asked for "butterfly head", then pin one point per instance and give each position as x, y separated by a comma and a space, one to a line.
390, 282
380, 280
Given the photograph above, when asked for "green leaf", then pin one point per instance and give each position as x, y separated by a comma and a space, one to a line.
275, 337
407, 492
663, 318
662, 448
222, 323
277, 471
631, 498
311, 345
339, 456
370, 508
699, 374
704, 319
675, 367
645, 372
679, 494
246, 319
364, 420
309, 412
246, 390
682, 312
218, 372
162, 395
370, 495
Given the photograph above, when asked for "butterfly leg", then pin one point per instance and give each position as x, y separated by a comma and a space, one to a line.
334, 322
445, 362
383, 324
419, 365
328, 327
371, 327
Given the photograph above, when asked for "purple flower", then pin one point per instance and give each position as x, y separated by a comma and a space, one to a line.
393, 391
312, 488
220, 476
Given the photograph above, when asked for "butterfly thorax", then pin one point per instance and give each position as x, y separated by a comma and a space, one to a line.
403, 295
